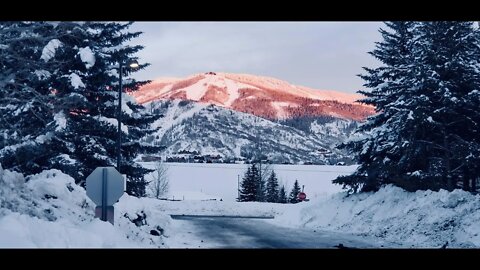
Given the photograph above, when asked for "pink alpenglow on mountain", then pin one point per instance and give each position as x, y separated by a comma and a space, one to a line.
262, 96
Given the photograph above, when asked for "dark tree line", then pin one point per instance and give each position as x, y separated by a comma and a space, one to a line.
254, 189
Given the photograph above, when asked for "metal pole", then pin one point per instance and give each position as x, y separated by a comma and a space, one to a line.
260, 183
238, 186
119, 118
104, 194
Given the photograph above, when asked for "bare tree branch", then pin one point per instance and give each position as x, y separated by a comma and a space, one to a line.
160, 183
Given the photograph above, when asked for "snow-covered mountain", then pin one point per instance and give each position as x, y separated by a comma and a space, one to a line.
192, 131
262, 96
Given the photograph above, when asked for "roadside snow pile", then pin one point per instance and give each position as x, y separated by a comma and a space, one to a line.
412, 219
50, 210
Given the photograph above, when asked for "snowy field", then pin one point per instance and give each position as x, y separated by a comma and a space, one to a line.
219, 181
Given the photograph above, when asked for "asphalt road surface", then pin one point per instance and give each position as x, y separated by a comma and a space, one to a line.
235, 232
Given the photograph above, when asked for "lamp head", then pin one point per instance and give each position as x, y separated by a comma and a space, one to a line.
133, 64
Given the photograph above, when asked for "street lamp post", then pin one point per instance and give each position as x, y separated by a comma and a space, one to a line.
131, 64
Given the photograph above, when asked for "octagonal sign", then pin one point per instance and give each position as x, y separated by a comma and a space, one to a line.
105, 184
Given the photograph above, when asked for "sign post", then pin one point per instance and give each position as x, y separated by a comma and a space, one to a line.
105, 185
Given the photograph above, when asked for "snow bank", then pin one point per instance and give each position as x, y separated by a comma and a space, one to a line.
50, 210
190, 195
419, 219
23, 231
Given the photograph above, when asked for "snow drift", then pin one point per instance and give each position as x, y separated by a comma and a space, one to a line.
411, 219
50, 210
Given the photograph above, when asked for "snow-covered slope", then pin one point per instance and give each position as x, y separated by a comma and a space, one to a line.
262, 96
190, 129
50, 210
411, 219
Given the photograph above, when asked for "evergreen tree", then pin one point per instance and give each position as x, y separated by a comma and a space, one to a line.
282, 195
263, 173
26, 103
249, 185
425, 95
293, 197
380, 149
89, 137
80, 66
272, 194
447, 80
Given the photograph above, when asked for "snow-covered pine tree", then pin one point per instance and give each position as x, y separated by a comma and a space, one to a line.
472, 159
87, 85
26, 103
425, 133
471, 168
249, 185
293, 197
272, 188
282, 195
78, 70
447, 68
381, 146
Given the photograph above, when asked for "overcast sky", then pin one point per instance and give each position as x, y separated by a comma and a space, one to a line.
323, 55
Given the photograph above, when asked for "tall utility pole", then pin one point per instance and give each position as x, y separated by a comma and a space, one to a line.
260, 168
260, 183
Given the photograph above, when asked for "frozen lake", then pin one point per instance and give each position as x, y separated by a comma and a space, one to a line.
192, 181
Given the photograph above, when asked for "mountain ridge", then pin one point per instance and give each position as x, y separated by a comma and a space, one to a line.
262, 96
195, 132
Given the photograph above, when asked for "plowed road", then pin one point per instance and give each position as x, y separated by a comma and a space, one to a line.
238, 232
